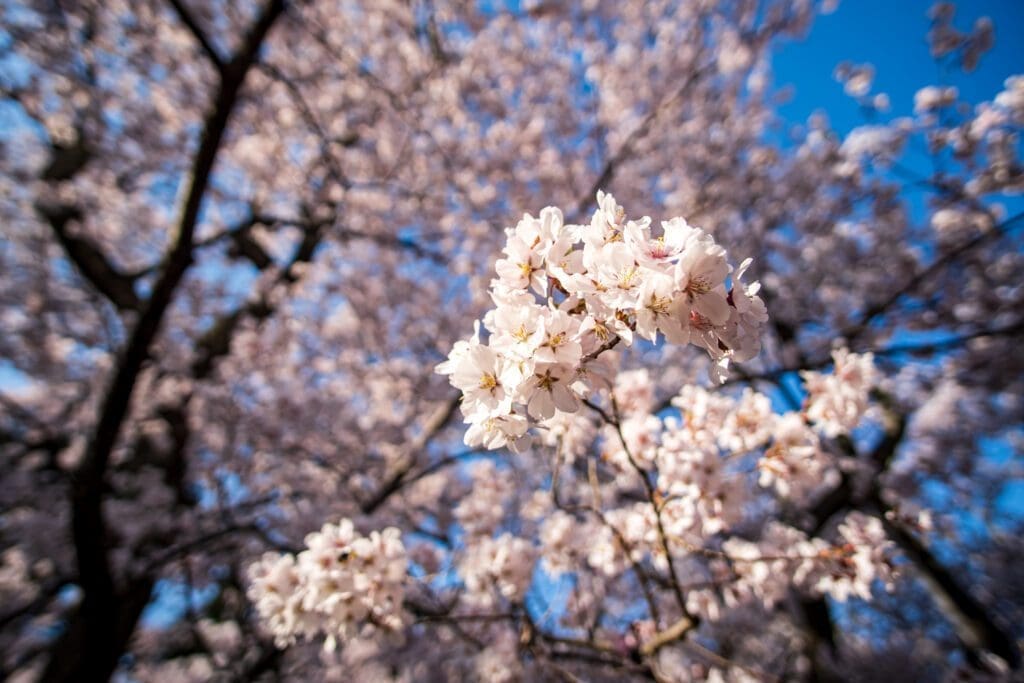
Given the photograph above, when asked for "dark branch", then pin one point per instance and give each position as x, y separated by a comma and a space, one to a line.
975, 627
440, 418
103, 636
190, 23
916, 280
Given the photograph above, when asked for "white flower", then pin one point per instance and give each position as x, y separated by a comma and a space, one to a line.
516, 328
480, 373
700, 275
497, 431
459, 351
523, 267
662, 251
607, 223
617, 275
528, 242
596, 331
660, 309
549, 387
742, 333
558, 339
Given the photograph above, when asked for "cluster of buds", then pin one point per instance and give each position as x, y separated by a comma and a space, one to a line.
566, 293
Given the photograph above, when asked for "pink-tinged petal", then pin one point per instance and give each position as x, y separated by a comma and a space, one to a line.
675, 332
712, 306
564, 399
541, 405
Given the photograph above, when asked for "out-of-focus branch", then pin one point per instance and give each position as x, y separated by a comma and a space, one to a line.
392, 241
190, 23
652, 498
394, 485
437, 421
346, 234
333, 168
643, 579
975, 627
102, 630
814, 611
88, 258
184, 548
611, 165
216, 341
670, 635
242, 244
951, 344
917, 279
554, 646
817, 620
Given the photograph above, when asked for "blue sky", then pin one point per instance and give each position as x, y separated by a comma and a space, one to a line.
890, 34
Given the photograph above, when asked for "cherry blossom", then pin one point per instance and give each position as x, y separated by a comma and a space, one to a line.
255, 279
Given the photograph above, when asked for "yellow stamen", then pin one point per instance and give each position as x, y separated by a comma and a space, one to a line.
555, 341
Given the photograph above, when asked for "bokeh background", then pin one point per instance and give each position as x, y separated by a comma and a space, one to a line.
238, 237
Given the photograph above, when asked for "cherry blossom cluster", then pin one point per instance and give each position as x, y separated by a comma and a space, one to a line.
565, 293
786, 556
495, 569
480, 513
701, 490
838, 401
344, 582
341, 584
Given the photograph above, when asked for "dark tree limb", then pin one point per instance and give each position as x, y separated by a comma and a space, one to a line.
974, 625
917, 279
216, 341
197, 32
88, 258
105, 619
398, 478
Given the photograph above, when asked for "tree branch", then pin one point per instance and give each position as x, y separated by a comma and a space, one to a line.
856, 329
190, 23
102, 636
973, 624
435, 423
